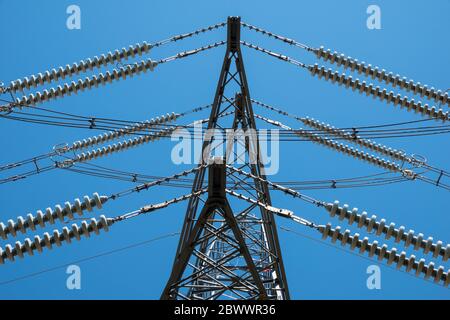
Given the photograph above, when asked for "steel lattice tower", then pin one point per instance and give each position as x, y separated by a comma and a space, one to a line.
227, 249
225, 253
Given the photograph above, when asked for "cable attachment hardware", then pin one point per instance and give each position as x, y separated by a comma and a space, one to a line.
61, 148
285, 213
2, 88
153, 207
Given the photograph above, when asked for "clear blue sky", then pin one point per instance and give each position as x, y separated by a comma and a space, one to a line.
413, 42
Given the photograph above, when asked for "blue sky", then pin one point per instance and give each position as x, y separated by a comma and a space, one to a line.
412, 42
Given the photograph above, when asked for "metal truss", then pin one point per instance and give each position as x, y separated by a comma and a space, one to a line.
225, 253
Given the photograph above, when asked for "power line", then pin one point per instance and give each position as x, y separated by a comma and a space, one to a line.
103, 254
258, 189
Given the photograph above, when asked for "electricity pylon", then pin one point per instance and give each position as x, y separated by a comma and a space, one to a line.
225, 253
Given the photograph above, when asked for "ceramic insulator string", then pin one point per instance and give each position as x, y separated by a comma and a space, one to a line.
340, 147
86, 84
51, 216
96, 62
57, 238
82, 66
381, 227
347, 135
119, 146
382, 75
383, 253
376, 92
111, 135
355, 153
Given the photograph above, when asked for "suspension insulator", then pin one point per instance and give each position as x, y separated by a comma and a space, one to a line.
76, 68
391, 256
111, 135
355, 153
382, 75
382, 149
121, 146
380, 227
50, 216
57, 238
376, 92
88, 83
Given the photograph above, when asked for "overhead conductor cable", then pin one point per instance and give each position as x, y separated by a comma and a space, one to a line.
123, 145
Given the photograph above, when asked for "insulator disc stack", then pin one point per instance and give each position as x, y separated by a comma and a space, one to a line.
383, 253
111, 135
372, 224
56, 239
82, 66
121, 146
376, 92
86, 84
369, 144
51, 216
355, 153
382, 76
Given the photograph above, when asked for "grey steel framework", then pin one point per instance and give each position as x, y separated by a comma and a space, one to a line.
228, 249
225, 253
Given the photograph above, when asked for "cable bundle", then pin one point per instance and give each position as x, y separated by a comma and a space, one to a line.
87, 83
381, 75
383, 253
393, 153
56, 238
50, 216
111, 135
376, 92
379, 227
